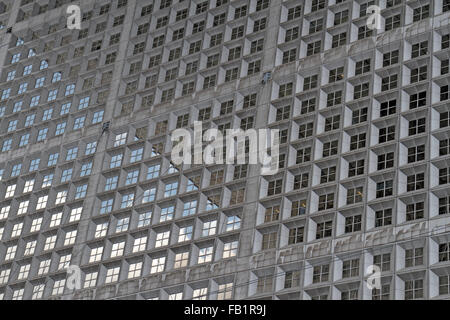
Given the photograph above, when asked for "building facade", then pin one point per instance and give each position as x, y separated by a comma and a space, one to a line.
91, 206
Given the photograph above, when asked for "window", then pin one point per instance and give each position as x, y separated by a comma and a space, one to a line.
181, 260
360, 91
265, 284
444, 119
117, 249
66, 175
144, 219
230, 249
445, 66
308, 83
419, 49
283, 113
364, 32
153, 171
321, 273
96, 254
383, 218
185, 234
444, 205
358, 141
106, 206
313, 48
34, 164
389, 82
262, 4
101, 229
418, 74
416, 153
47, 181
75, 214
209, 228
198, 27
72, 153
328, 174
421, 13
112, 275
272, 214
444, 287
388, 107
386, 134
340, 17
260, 25
10, 190
413, 289
132, 177
65, 108
349, 295
158, 265
11, 75
362, 67
127, 200
233, 223
209, 81
216, 39
339, 40
356, 168
79, 123
30, 120
84, 102
384, 189
324, 229
317, 5
274, 187
91, 147
90, 280
189, 208
289, 56
176, 296
234, 53
291, 34
298, 208
205, 255
225, 291
167, 214
240, 12
294, 12
139, 244
390, 58
296, 235
116, 161
305, 130
414, 211
353, 223
122, 224
392, 22
444, 252
350, 268
237, 32
170, 189
330, 148
269, 240
413, 257
291, 279
110, 58
315, 26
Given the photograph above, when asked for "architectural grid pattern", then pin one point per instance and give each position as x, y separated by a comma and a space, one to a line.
85, 149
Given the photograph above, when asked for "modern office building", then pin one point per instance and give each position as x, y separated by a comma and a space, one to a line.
87, 181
